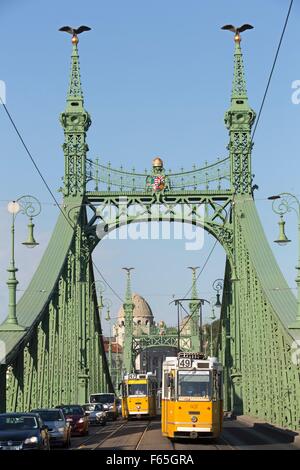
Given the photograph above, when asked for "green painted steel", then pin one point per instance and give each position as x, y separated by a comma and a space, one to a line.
60, 357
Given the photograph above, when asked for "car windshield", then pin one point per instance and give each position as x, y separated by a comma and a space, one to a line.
50, 415
137, 389
194, 384
18, 422
73, 410
102, 398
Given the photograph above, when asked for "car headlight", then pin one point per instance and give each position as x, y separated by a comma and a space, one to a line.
81, 420
111, 407
60, 429
99, 414
31, 440
105, 407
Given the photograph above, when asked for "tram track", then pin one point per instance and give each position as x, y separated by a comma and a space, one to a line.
97, 433
142, 436
88, 443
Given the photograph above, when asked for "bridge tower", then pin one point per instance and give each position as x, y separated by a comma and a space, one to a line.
128, 306
239, 120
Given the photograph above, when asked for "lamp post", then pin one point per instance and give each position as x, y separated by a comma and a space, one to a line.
283, 203
107, 304
213, 317
31, 207
99, 289
215, 302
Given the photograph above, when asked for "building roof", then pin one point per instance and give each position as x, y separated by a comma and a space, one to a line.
141, 307
116, 348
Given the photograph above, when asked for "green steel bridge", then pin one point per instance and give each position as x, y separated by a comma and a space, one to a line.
54, 348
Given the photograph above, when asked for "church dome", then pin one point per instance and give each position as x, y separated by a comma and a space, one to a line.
141, 308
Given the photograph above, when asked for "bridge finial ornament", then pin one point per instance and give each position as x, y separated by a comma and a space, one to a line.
237, 31
74, 32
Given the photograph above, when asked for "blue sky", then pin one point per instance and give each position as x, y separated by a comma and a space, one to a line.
157, 79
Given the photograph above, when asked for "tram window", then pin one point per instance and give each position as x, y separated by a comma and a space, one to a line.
166, 385
194, 385
137, 389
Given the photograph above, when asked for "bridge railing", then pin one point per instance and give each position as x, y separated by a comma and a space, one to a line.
209, 176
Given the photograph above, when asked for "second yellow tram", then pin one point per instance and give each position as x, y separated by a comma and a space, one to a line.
192, 404
139, 395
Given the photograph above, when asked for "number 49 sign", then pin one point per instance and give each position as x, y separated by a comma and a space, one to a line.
185, 362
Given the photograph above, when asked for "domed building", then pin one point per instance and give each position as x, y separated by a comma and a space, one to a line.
142, 319
150, 359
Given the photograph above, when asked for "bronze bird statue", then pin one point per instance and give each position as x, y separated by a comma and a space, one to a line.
74, 31
237, 31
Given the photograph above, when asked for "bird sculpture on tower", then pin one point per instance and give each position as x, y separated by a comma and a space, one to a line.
237, 31
74, 31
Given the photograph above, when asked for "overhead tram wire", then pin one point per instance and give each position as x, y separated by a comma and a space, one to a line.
203, 267
272, 69
260, 111
50, 190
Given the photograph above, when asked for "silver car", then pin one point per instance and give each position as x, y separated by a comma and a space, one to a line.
96, 413
58, 428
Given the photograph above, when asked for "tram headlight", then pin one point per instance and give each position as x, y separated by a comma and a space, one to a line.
138, 407
194, 419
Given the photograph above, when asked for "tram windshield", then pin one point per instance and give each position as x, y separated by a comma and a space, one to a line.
194, 384
137, 389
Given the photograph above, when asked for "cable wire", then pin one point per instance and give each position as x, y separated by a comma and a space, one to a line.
272, 69
203, 267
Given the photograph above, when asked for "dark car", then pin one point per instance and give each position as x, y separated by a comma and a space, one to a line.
58, 427
23, 431
95, 413
77, 418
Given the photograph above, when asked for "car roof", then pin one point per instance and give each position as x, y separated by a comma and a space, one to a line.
19, 413
37, 410
65, 406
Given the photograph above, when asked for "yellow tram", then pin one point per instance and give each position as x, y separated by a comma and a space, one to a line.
192, 404
139, 395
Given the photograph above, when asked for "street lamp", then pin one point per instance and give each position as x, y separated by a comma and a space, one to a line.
99, 289
283, 203
31, 207
218, 286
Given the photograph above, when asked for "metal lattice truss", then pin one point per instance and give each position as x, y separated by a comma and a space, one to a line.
209, 210
151, 341
209, 176
58, 358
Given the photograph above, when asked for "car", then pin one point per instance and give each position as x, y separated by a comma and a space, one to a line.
75, 415
59, 429
23, 431
95, 413
109, 402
